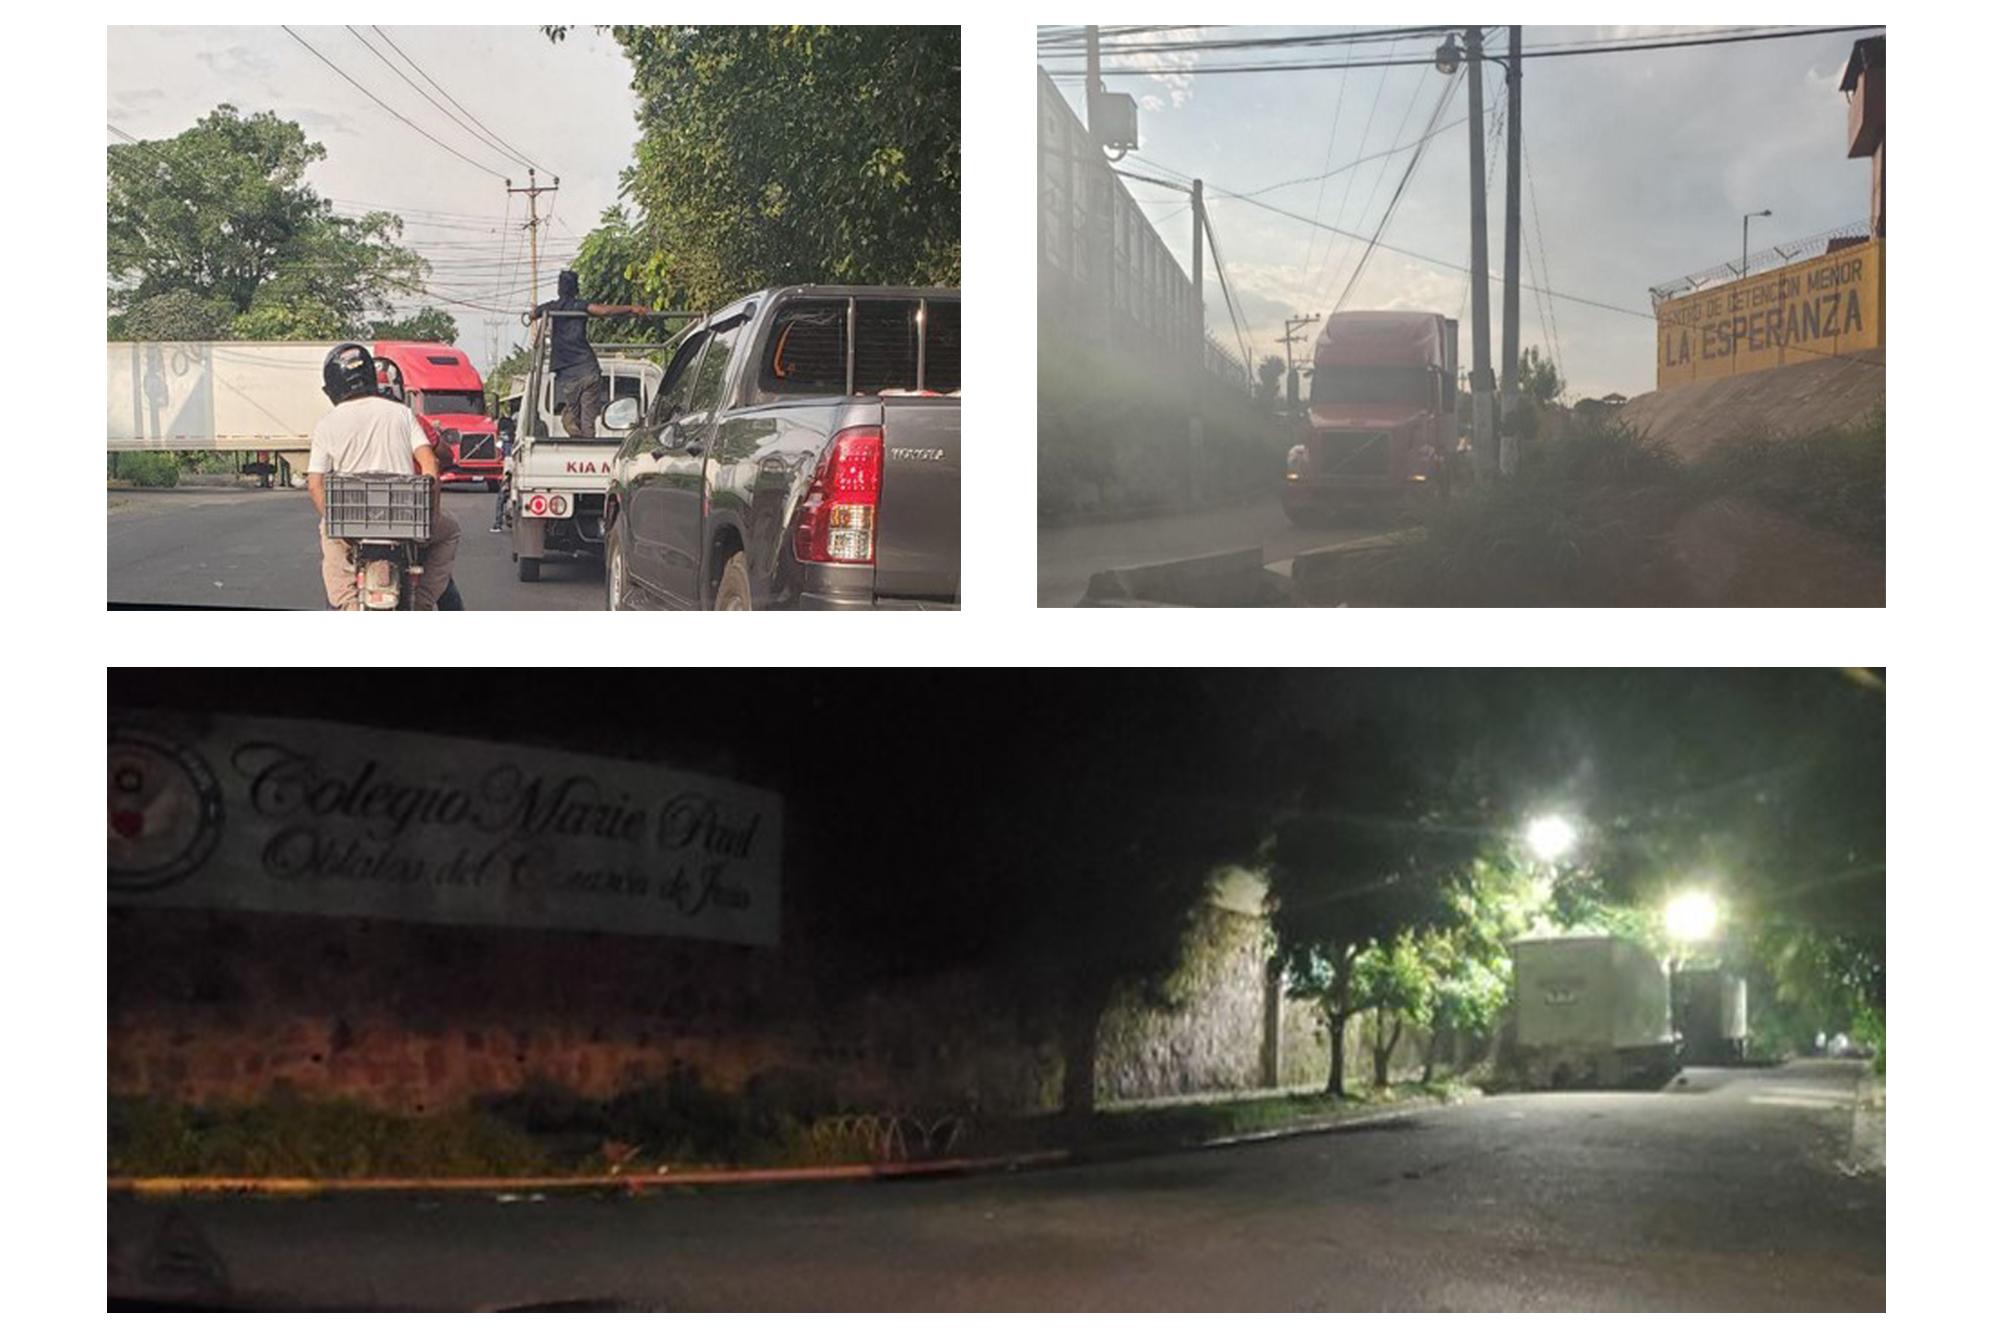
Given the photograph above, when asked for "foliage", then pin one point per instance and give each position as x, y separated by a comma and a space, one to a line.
1835, 478
321, 1140
222, 212
501, 377
426, 325
1540, 384
1368, 853
1584, 522
175, 316
160, 469
791, 154
608, 266
1270, 376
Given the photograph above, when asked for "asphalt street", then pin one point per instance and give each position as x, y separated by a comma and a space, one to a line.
1069, 555
1735, 1190
251, 548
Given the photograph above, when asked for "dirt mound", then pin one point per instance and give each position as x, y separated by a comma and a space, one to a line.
1737, 553
1786, 400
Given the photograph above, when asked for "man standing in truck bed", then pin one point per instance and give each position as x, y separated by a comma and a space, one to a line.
579, 384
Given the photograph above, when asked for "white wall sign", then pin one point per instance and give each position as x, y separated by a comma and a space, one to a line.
302, 816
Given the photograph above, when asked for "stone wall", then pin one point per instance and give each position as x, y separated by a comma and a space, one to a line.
217, 1006
224, 1007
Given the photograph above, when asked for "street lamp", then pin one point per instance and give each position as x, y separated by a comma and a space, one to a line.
1550, 837
1746, 239
1691, 915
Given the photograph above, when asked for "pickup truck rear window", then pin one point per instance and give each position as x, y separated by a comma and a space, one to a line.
806, 352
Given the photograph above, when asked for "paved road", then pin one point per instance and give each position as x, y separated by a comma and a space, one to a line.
219, 547
1736, 1191
1070, 555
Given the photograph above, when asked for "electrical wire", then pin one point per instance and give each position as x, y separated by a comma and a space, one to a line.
1609, 48
418, 88
496, 175
509, 148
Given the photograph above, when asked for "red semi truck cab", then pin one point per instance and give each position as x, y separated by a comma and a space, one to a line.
1382, 418
441, 386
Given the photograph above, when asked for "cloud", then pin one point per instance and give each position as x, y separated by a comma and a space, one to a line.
1168, 70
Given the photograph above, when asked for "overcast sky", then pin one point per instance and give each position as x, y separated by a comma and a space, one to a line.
1641, 166
568, 107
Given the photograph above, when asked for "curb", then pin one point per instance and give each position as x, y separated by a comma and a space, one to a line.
153, 1187
1088, 517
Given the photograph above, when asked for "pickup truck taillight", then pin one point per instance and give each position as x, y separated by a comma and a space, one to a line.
837, 517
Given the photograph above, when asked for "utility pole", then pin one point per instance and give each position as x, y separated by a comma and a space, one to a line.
1482, 332
1292, 325
1510, 292
1195, 380
533, 224
1090, 78
1200, 324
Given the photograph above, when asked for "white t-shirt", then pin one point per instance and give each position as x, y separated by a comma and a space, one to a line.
367, 435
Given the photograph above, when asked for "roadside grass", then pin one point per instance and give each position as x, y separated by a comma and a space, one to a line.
148, 470
676, 1125
1584, 521
1588, 519
1834, 478
319, 1140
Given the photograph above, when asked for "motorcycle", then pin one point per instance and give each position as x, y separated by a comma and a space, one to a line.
385, 519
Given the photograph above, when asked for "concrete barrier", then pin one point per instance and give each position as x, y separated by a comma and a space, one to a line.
1226, 578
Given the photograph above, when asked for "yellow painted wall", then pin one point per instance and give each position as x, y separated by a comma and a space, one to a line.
1831, 305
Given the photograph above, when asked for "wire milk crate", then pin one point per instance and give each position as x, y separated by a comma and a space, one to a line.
381, 505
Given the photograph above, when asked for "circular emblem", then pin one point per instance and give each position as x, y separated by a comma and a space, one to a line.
165, 812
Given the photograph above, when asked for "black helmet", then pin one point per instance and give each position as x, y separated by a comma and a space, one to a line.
566, 284
348, 372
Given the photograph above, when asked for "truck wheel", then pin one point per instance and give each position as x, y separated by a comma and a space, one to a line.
528, 569
614, 571
492, 485
733, 592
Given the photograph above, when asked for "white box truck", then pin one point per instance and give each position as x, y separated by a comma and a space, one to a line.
1590, 1011
259, 397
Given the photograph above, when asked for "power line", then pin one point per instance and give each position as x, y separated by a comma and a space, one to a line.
426, 96
1347, 190
1289, 67
1326, 160
500, 176
1553, 333
1356, 37
1416, 159
1455, 267
512, 151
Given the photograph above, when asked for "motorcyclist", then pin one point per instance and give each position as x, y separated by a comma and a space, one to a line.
367, 432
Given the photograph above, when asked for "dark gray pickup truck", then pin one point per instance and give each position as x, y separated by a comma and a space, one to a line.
800, 453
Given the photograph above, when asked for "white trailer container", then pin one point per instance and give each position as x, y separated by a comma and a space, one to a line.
255, 396
1712, 1007
1590, 1010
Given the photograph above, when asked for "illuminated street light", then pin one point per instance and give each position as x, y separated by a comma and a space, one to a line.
1692, 915
1550, 837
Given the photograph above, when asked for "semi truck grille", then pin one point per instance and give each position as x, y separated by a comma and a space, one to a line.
477, 448
1337, 451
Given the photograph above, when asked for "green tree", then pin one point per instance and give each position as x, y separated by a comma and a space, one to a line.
501, 377
1367, 854
1393, 978
176, 316
792, 154
426, 325
1270, 374
1540, 384
222, 212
